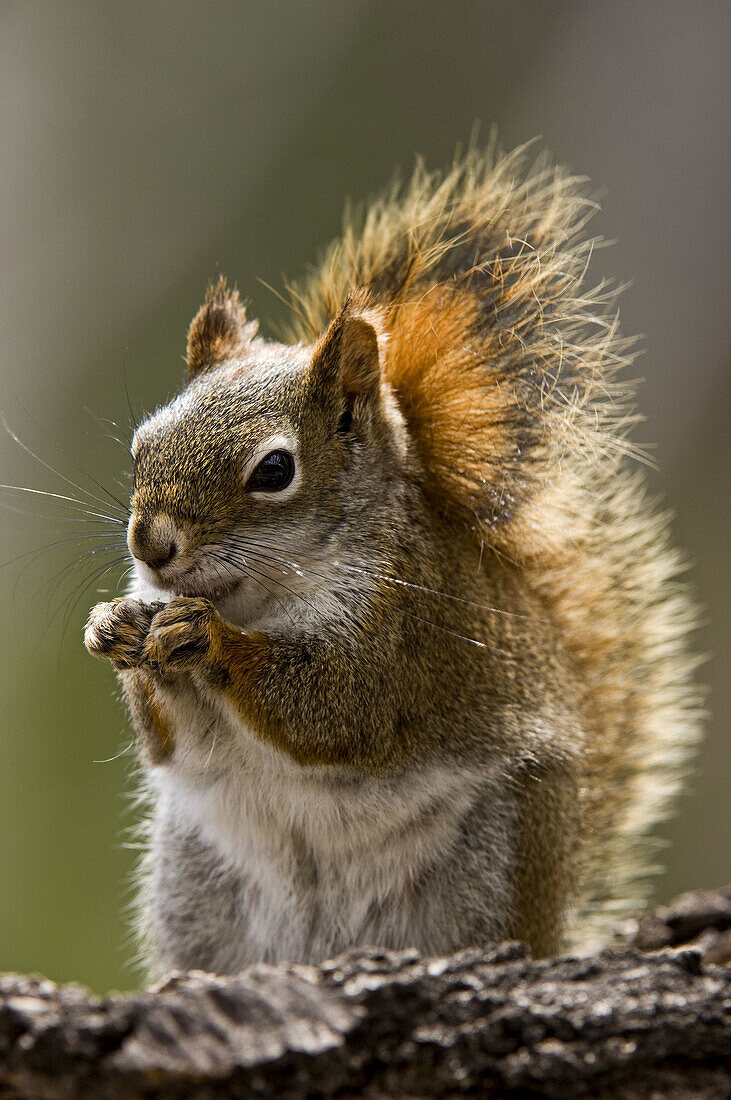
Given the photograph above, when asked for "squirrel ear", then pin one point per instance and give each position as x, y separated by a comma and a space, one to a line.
350, 350
219, 330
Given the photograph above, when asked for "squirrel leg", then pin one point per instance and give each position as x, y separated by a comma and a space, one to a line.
151, 721
546, 867
293, 693
118, 630
195, 911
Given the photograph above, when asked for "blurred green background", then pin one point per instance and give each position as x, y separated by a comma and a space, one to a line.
146, 147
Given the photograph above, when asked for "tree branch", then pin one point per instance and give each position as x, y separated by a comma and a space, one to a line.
373, 1023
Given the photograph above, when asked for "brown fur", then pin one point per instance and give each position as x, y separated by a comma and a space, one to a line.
219, 331
149, 716
507, 369
546, 873
349, 349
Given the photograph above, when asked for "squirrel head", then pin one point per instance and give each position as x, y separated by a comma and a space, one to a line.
265, 459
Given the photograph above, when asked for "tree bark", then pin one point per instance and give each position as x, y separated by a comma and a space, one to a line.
491, 1023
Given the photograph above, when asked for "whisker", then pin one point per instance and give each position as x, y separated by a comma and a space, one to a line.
454, 634
57, 473
81, 504
254, 548
432, 591
111, 759
125, 443
69, 567
297, 595
133, 415
73, 564
65, 542
74, 464
87, 583
419, 618
58, 517
400, 582
250, 569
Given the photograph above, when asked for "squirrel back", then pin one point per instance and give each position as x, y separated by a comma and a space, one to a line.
509, 372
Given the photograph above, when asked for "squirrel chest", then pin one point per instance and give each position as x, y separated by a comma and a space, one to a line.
309, 859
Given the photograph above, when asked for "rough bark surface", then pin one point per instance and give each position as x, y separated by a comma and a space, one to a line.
489, 1023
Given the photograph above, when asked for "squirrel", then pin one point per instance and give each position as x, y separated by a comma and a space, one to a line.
406, 647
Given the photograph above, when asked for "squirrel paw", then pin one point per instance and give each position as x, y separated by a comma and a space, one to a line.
117, 630
180, 635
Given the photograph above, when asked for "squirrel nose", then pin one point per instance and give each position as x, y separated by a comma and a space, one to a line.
153, 543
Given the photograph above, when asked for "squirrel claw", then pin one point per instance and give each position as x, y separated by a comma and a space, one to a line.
117, 630
180, 634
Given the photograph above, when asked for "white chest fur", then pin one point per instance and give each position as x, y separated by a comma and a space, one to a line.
325, 859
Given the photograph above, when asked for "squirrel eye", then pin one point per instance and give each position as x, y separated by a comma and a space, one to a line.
275, 472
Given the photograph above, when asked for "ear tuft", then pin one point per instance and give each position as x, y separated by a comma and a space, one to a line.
219, 330
351, 349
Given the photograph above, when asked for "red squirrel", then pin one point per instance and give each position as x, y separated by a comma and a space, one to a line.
406, 648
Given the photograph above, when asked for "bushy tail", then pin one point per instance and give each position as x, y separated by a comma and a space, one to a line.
508, 371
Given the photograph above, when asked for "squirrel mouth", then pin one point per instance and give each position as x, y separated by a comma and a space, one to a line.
197, 583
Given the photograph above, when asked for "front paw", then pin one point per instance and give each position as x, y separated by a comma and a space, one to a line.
180, 635
118, 630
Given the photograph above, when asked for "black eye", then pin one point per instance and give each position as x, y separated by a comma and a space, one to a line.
275, 472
